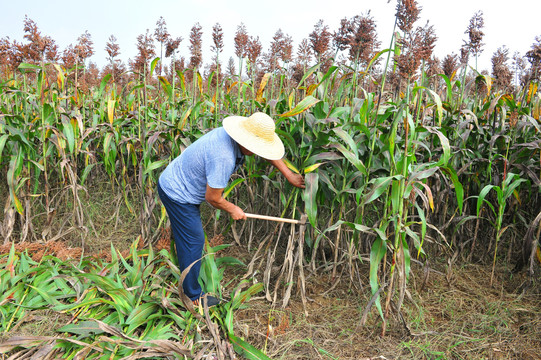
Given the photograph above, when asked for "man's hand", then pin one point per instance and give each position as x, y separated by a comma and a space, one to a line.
214, 198
296, 180
237, 213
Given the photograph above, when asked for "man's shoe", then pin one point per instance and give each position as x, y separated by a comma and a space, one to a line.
211, 301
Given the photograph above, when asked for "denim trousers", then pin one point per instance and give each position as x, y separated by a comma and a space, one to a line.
189, 240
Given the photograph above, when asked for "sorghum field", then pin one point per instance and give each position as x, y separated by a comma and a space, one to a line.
423, 198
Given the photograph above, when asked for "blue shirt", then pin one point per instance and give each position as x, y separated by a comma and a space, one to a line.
212, 159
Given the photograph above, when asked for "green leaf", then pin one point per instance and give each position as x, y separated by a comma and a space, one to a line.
107, 143
437, 100
37, 165
352, 158
375, 58
86, 172
329, 72
392, 136
103, 83
449, 88
140, 315
304, 105
459, 190
124, 299
70, 307
19, 136
245, 349
514, 184
311, 168
444, 143
228, 321
323, 156
423, 228
325, 178
380, 186
396, 195
210, 275
166, 86
228, 261
420, 175
377, 251
482, 196
346, 137
26, 66
312, 184
45, 295
84, 328
232, 185
414, 236
3, 140
291, 166
407, 257
69, 134
308, 73
153, 65
155, 165
244, 296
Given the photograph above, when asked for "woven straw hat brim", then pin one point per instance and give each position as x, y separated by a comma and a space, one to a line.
273, 150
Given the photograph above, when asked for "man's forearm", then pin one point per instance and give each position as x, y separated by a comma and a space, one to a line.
214, 197
221, 204
282, 167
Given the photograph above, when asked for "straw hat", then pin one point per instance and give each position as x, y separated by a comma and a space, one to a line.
256, 133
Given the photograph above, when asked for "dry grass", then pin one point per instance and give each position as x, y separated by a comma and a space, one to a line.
461, 319
37, 323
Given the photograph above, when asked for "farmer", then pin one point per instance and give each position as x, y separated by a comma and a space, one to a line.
202, 172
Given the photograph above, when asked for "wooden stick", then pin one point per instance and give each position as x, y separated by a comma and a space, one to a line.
273, 218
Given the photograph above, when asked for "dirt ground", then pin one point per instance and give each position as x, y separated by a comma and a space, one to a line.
463, 321
450, 315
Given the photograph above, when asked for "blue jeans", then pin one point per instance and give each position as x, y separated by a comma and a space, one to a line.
189, 240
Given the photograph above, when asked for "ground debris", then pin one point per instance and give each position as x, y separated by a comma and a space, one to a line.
467, 319
37, 250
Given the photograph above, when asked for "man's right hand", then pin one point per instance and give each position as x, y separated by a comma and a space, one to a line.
214, 198
237, 213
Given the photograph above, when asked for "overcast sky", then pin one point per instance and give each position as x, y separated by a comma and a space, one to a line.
513, 24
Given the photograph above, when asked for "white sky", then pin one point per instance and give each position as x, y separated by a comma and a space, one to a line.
513, 24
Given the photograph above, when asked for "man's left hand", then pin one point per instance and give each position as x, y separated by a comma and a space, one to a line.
296, 180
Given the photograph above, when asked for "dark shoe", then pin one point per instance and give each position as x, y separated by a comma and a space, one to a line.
211, 301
